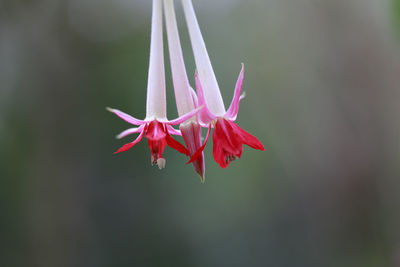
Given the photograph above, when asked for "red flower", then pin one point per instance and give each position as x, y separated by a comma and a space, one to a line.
158, 134
228, 139
155, 127
158, 138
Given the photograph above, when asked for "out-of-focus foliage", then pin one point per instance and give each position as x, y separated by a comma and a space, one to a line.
322, 85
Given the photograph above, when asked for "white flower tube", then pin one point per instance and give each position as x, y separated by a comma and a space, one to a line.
156, 106
183, 96
203, 64
191, 130
228, 137
155, 127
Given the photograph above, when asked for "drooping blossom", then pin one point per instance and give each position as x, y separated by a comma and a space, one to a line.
185, 102
155, 127
228, 137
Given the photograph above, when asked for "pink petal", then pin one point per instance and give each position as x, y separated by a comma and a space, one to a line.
126, 117
130, 145
247, 138
200, 150
234, 107
184, 117
205, 115
130, 131
172, 130
218, 153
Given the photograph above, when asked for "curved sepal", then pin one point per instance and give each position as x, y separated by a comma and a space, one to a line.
247, 138
130, 131
176, 145
200, 150
126, 117
194, 97
172, 130
131, 144
233, 110
205, 115
185, 117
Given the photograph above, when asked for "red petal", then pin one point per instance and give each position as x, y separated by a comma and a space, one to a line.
230, 140
176, 145
157, 147
130, 145
247, 138
218, 152
156, 131
200, 150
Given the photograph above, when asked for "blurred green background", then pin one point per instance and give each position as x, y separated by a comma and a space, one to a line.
322, 83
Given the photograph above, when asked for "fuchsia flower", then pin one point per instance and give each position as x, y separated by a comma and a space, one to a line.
206, 109
228, 137
185, 102
155, 127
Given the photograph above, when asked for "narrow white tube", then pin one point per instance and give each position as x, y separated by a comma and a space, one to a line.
183, 97
203, 64
156, 106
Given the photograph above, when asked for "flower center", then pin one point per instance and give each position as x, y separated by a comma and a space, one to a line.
229, 157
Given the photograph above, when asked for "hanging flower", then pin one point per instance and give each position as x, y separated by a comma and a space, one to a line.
185, 102
155, 127
228, 137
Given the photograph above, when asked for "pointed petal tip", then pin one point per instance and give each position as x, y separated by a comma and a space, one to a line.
126, 117
201, 172
201, 175
243, 95
125, 147
237, 96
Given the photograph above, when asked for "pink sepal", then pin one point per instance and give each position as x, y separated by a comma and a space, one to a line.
233, 110
205, 115
172, 130
200, 150
130, 145
126, 117
184, 117
130, 131
194, 97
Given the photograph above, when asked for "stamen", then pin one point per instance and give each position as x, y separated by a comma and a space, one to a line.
229, 158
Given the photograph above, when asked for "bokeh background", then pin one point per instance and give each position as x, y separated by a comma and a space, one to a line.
322, 83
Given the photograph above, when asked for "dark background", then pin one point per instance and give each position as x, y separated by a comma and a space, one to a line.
322, 83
